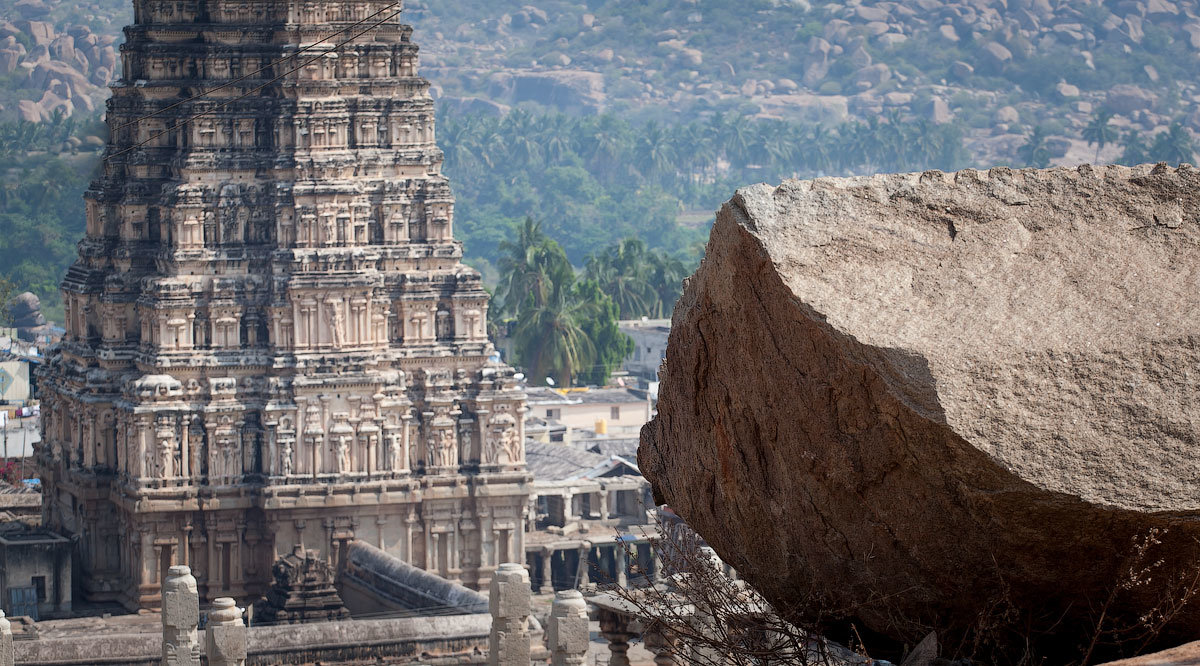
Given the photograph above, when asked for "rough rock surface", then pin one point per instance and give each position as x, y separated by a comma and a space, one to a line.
943, 400
1184, 655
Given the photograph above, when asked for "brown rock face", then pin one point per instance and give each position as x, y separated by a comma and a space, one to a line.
948, 401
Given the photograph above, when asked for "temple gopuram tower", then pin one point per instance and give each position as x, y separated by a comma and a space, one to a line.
271, 340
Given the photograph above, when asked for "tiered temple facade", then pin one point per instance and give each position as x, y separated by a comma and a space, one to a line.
271, 339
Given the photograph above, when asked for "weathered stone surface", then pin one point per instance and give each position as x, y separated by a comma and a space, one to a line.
320, 396
932, 398
1184, 655
1128, 98
225, 637
567, 636
509, 604
303, 591
180, 618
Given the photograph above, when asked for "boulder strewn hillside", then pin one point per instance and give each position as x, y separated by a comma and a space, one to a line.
997, 67
950, 401
52, 61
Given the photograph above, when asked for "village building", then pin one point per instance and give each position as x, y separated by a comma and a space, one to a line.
272, 345
649, 338
591, 519
587, 412
35, 573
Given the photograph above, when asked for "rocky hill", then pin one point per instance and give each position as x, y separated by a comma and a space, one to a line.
57, 58
694, 92
998, 67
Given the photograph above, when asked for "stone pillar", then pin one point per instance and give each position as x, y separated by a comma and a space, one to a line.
583, 574
547, 571
659, 640
622, 566
614, 627
509, 604
180, 616
7, 656
568, 636
225, 640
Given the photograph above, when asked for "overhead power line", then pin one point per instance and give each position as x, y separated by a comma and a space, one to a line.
268, 83
257, 71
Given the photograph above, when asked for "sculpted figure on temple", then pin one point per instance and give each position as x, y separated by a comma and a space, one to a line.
230, 455
343, 454
285, 457
395, 453
165, 458
336, 321
330, 231
502, 429
444, 448
512, 445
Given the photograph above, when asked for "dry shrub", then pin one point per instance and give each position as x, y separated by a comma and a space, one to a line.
711, 617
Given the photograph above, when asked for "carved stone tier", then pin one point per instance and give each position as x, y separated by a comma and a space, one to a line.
270, 337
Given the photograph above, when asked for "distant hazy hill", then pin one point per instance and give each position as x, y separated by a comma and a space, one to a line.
995, 66
864, 86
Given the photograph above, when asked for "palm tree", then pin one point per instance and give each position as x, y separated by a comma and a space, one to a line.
666, 279
622, 272
653, 154
1034, 152
1100, 132
558, 140
457, 140
606, 146
530, 267
820, 153
1135, 151
926, 145
550, 339
738, 139
1173, 146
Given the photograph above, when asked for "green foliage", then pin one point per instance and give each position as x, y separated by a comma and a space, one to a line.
1173, 146
41, 203
562, 327
1135, 150
1100, 131
641, 282
597, 180
611, 346
8, 291
1034, 152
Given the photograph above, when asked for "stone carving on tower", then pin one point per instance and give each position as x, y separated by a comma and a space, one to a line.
271, 338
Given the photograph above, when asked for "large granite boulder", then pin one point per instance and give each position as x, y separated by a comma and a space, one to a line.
25, 311
948, 401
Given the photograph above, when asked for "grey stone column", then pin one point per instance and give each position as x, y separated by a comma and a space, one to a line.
614, 627
7, 657
509, 604
582, 574
568, 635
225, 639
547, 564
622, 565
180, 616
